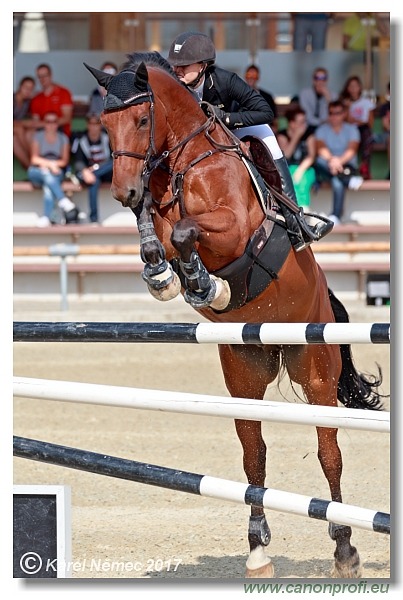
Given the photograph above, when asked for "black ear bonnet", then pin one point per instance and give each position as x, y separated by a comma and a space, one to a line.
124, 89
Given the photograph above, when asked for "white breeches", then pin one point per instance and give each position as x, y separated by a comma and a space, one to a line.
265, 133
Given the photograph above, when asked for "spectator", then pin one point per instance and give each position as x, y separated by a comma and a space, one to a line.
310, 30
252, 78
21, 103
337, 145
299, 147
315, 99
49, 158
384, 136
92, 160
360, 112
97, 95
53, 97
355, 31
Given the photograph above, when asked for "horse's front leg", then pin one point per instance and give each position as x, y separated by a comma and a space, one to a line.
202, 289
248, 370
163, 283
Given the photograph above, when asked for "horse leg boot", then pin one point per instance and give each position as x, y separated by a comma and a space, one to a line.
163, 283
347, 561
202, 290
258, 564
301, 234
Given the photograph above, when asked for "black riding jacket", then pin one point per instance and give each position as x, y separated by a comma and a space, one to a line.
244, 105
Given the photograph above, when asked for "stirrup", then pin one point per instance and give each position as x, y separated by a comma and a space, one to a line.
311, 233
322, 227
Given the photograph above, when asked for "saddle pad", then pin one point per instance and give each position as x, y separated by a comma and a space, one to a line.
250, 274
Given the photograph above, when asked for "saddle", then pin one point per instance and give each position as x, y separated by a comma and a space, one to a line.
264, 163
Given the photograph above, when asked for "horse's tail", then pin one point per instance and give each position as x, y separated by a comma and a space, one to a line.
354, 389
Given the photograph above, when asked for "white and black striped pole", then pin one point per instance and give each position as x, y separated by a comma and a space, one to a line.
202, 485
204, 333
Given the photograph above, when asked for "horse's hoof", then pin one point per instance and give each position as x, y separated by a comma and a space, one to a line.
264, 572
223, 294
350, 569
169, 292
259, 565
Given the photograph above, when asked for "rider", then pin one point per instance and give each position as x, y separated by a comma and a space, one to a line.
241, 108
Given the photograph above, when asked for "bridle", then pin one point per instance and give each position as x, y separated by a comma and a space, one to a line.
152, 160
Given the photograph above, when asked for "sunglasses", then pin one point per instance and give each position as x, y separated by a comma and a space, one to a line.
320, 77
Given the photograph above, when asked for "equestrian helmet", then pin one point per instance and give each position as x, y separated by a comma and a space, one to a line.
191, 47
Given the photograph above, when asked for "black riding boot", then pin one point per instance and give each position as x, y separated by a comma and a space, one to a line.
301, 233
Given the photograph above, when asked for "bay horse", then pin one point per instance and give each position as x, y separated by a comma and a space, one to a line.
205, 233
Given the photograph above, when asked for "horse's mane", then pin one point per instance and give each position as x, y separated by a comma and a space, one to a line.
152, 59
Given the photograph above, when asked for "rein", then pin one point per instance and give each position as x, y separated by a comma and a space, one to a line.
152, 161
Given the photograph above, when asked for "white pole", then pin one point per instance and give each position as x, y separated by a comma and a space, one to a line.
215, 406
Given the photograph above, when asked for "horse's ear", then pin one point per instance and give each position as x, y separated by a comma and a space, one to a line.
103, 79
142, 77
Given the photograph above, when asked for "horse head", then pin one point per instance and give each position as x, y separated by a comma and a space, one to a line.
128, 118
144, 110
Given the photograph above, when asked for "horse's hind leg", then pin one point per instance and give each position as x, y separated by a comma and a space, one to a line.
247, 371
347, 561
317, 370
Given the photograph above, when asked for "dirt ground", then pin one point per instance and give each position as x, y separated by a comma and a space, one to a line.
127, 530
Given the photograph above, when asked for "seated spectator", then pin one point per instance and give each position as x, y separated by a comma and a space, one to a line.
315, 99
299, 147
53, 97
252, 78
50, 156
97, 95
92, 161
21, 104
384, 136
337, 145
360, 112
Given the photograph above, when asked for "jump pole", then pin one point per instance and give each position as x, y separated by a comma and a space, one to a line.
197, 404
204, 333
202, 485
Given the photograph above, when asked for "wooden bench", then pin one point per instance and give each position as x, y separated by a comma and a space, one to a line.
354, 230
26, 186
372, 185
368, 185
75, 232
350, 247
102, 266
87, 249
119, 249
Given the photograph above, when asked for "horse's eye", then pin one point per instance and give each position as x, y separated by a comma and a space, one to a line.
143, 121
